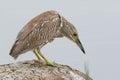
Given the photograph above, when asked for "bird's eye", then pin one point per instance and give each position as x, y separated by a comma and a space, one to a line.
75, 34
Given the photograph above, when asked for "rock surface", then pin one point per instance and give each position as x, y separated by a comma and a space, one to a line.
32, 70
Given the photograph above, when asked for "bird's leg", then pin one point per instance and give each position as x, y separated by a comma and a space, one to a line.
47, 62
39, 59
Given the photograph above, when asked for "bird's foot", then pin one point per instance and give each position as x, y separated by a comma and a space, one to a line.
35, 60
53, 64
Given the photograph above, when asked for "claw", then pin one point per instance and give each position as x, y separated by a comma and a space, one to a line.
54, 64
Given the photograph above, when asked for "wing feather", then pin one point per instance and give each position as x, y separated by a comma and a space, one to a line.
37, 32
37, 21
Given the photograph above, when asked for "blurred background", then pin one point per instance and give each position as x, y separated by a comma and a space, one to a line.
98, 24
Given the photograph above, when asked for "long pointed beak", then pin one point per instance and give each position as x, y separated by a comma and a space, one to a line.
80, 45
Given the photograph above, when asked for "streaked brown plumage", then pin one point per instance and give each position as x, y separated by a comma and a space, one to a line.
42, 29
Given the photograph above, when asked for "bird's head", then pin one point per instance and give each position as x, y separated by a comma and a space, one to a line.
69, 31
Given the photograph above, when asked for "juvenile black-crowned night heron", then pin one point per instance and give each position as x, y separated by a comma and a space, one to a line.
41, 30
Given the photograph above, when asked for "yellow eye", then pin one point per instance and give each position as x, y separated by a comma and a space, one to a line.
75, 34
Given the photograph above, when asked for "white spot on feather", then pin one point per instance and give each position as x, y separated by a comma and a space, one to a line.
44, 22
35, 24
55, 19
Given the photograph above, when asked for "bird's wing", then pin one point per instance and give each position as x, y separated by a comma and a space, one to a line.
37, 32
28, 28
37, 21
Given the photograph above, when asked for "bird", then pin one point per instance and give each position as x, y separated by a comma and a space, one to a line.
41, 30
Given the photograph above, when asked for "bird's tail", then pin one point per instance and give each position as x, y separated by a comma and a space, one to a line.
14, 52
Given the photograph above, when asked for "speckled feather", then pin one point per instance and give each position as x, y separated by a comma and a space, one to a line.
37, 32
43, 29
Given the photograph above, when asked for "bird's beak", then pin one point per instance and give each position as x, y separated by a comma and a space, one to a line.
77, 41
